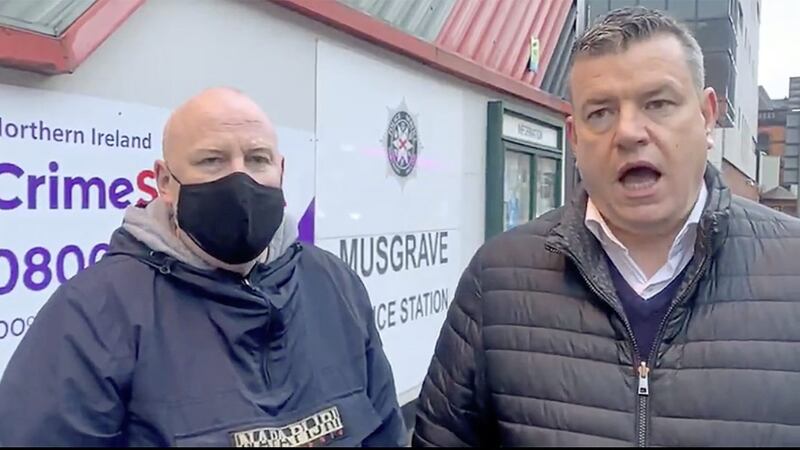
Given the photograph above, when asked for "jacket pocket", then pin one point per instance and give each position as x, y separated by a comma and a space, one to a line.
343, 422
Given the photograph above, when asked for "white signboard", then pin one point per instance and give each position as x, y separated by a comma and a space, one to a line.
528, 131
389, 171
69, 166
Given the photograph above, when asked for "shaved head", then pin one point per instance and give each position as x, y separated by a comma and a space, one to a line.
214, 134
216, 107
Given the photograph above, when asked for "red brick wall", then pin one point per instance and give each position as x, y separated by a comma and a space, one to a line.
738, 182
777, 139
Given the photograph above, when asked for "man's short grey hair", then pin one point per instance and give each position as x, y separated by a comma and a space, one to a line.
620, 28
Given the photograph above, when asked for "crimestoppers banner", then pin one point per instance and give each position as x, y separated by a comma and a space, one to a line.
69, 166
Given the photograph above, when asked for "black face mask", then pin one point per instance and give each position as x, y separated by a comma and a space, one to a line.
233, 218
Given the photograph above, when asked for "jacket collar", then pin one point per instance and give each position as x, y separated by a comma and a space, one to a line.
571, 237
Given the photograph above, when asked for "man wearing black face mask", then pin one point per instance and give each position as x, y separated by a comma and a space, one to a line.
206, 323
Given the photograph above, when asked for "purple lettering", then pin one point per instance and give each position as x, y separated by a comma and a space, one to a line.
11, 130
42, 267
44, 130
16, 171
34, 135
58, 134
21, 327
71, 182
62, 255
110, 140
120, 188
94, 255
13, 272
33, 187
53, 166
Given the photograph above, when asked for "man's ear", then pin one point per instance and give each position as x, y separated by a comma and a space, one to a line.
572, 137
710, 110
164, 182
283, 171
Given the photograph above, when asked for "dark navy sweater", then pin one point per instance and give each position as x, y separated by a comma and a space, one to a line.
645, 316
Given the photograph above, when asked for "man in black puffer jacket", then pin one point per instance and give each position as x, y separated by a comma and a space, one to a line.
656, 308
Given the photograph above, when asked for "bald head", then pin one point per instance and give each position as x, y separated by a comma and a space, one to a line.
217, 108
213, 134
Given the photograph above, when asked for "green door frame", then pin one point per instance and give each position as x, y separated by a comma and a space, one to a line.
496, 146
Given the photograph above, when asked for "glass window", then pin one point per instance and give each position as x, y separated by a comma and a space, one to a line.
712, 9
546, 188
615, 4
595, 9
517, 195
654, 4
682, 9
718, 66
790, 163
715, 35
763, 140
793, 136
790, 177
793, 120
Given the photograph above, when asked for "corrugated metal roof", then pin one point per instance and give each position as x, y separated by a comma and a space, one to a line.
420, 18
49, 17
555, 77
497, 33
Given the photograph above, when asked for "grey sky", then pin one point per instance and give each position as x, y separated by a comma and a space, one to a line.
779, 45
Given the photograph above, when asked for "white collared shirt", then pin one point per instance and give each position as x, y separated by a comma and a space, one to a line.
679, 255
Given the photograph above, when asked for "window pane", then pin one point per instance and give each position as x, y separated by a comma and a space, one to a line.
790, 176
793, 136
654, 4
716, 35
596, 8
712, 9
546, 176
718, 65
793, 120
615, 4
517, 197
682, 9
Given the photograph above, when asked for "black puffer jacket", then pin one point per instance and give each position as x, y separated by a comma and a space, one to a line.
536, 349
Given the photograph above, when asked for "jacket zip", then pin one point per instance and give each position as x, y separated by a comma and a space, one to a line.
644, 370
644, 392
265, 354
641, 421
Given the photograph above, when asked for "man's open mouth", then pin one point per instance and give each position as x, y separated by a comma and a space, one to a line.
638, 176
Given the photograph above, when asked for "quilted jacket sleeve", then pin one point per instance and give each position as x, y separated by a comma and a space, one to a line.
451, 410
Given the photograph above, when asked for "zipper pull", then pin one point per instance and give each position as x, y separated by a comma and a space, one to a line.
644, 380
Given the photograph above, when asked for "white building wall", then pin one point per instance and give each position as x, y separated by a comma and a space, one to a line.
739, 143
168, 51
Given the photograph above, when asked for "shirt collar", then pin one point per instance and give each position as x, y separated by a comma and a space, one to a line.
597, 225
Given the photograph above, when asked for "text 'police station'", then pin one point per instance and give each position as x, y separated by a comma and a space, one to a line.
378, 254
408, 309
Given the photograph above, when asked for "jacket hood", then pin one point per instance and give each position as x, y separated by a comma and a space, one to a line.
153, 226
